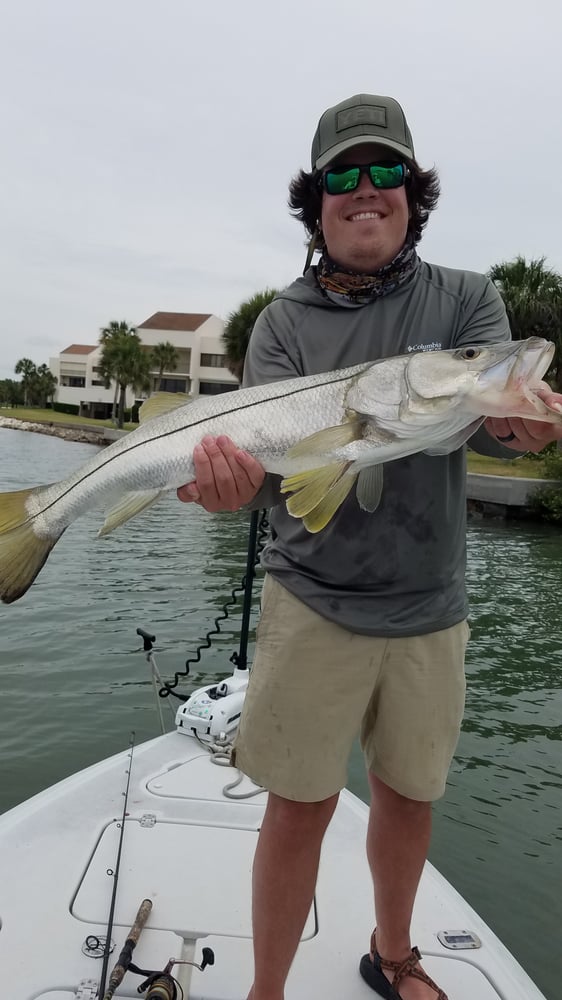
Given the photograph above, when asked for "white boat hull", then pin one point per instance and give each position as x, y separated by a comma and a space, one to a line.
189, 849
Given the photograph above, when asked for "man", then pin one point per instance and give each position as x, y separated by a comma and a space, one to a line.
364, 622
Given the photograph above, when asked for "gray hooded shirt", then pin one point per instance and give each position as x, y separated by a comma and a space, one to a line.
401, 570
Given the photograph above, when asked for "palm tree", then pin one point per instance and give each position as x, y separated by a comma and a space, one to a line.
164, 357
108, 334
532, 294
44, 385
124, 360
27, 369
38, 384
239, 326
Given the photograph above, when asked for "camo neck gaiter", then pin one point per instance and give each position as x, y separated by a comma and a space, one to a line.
358, 289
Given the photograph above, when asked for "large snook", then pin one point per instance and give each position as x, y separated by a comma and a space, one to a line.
321, 433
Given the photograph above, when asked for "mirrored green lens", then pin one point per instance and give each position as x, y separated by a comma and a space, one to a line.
383, 176
340, 181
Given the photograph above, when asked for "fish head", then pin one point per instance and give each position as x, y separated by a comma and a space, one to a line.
484, 380
495, 376
501, 379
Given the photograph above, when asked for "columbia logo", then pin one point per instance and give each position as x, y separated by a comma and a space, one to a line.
434, 346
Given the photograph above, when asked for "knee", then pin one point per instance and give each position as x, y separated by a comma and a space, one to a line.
384, 797
305, 817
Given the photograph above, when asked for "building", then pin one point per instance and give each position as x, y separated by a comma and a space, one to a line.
201, 369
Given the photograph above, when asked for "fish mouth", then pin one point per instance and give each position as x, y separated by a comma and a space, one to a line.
511, 386
532, 359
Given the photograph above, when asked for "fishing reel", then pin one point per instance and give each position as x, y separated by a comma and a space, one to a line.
163, 986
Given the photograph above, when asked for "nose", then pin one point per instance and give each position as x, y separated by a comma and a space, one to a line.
365, 188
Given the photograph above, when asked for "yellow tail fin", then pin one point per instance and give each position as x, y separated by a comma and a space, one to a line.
22, 552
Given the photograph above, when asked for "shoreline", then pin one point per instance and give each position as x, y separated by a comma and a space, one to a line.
68, 432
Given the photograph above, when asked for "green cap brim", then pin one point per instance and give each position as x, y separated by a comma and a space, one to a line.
361, 140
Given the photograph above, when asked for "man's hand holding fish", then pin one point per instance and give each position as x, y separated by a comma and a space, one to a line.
226, 477
527, 435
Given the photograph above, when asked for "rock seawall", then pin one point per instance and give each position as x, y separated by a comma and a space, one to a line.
68, 432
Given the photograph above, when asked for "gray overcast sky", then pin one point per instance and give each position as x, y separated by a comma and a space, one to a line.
147, 145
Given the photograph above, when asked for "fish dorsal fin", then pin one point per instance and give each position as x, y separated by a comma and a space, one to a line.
456, 440
369, 487
327, 440
130, 505
162, 402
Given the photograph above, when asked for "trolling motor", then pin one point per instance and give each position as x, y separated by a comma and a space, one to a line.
213, 712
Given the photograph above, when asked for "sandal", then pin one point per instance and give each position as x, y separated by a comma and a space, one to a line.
371, 969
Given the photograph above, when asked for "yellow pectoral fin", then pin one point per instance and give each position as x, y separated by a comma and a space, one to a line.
328, 440
128, 507
162, 402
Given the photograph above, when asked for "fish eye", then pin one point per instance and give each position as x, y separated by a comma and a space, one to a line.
470, 353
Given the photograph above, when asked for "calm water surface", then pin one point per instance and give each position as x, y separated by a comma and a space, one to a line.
74, 682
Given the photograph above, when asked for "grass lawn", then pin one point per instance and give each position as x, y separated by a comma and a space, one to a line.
38, 416
521, 467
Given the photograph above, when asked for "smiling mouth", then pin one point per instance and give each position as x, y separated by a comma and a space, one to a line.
364, 216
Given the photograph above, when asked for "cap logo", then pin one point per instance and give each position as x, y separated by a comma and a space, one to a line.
360, 116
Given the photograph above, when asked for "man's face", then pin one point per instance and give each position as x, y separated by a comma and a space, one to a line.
364, 229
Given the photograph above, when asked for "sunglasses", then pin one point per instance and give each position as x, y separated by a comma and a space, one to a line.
341, 180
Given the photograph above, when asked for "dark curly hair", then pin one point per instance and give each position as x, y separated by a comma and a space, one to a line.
422, 192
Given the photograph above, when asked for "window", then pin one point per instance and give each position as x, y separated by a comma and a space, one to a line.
213, 361
214, 388
173, 385
73, 381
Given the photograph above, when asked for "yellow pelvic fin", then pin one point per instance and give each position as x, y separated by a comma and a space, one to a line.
327, 440
310, 487
130, 505
323, 513
162, 402
318, 494
22, 552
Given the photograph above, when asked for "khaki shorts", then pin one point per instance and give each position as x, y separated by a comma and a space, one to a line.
314, 687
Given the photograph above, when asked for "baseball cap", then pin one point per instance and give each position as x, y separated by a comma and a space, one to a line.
363, 118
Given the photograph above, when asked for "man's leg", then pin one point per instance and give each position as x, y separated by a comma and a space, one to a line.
397, 845
409, 734
284, 880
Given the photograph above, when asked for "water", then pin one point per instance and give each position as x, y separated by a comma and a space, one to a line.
74, 682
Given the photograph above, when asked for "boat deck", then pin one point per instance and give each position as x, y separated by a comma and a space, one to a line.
189, 849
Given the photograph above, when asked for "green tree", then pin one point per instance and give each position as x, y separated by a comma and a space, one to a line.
124, 361
43, 386
165, 358
27, 369
108, 335
239, 326
11, 393
532, 294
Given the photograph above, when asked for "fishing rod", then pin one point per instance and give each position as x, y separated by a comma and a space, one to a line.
102, 995
124, 961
